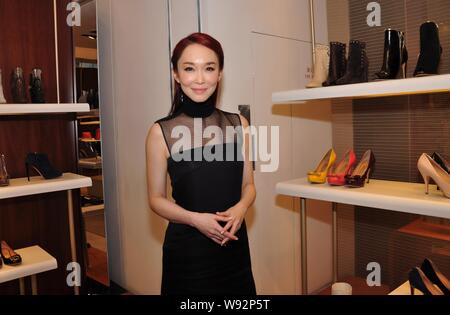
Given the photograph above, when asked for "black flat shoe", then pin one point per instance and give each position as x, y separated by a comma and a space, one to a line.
435, 276
9, 256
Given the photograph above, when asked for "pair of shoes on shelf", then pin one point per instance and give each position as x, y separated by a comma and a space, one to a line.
9, 256
40, 162
431, 168
428, 279
343, 70
345, 172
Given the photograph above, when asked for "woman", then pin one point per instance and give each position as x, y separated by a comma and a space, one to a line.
206, 248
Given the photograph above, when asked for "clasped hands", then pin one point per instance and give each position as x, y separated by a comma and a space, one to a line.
208, 224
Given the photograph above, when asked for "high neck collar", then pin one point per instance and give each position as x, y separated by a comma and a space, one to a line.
197, 109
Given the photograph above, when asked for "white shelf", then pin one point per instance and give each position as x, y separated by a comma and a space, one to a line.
21, 109
388, 195
421, 85
34, 260
38, 185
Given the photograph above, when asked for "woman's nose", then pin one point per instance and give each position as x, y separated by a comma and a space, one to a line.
200, 77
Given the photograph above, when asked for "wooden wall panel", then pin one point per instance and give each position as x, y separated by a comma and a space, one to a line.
27, 38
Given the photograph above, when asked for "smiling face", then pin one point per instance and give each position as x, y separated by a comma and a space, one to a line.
198, 72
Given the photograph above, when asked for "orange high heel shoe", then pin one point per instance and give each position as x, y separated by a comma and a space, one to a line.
337, 177
319, 176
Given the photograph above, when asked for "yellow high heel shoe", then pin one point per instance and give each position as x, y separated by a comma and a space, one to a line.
319, 176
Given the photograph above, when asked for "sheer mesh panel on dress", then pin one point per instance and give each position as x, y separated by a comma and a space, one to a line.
183, 133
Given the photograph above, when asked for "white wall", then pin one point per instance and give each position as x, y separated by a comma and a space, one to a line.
267, 48
135, 91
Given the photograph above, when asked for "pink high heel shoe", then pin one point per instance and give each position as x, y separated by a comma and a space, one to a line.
337, 176
428, 168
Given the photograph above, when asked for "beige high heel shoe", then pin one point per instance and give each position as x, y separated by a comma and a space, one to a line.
428, 168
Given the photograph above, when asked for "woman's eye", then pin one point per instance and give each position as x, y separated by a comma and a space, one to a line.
189, 69
210, 69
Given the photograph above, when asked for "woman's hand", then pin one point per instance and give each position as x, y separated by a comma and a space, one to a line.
235, 216
208, 224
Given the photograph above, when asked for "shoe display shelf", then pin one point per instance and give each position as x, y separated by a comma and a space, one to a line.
387, 195
23, 109
418, 85
35, 260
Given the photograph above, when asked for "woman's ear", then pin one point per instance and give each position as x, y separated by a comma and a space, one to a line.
175, 76
220, 75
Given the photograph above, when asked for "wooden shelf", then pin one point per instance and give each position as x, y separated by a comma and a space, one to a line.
23, 109
88, 123
37, 185
422, 228
388, 195
90, 163
88, 209
89, 140
359, 287
421, 85
34, 260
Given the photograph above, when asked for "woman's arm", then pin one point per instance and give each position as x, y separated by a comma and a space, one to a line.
156, 156
248, 195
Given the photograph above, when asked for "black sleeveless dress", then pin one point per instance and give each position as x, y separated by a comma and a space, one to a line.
192, 263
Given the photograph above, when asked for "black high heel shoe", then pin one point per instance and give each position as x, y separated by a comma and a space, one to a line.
435, 276
40, 162
441, 161
362, 171
9, 256
418, 280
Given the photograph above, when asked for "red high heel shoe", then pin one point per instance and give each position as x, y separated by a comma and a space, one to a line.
337, 177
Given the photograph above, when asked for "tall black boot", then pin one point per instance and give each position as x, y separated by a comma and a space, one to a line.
395, 55
357, 65
430, 50
338, 63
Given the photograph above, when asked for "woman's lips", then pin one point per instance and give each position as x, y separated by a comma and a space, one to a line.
199, 91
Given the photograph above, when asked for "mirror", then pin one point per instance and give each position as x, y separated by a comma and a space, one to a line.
90, 155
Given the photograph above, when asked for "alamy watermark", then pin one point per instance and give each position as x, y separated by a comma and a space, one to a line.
74, 17
189, 147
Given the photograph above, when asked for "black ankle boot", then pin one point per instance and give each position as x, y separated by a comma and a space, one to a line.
357, 65
430, 50
40, 162
395, 55
338, 63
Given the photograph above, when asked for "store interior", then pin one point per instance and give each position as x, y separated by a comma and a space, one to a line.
343, 80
